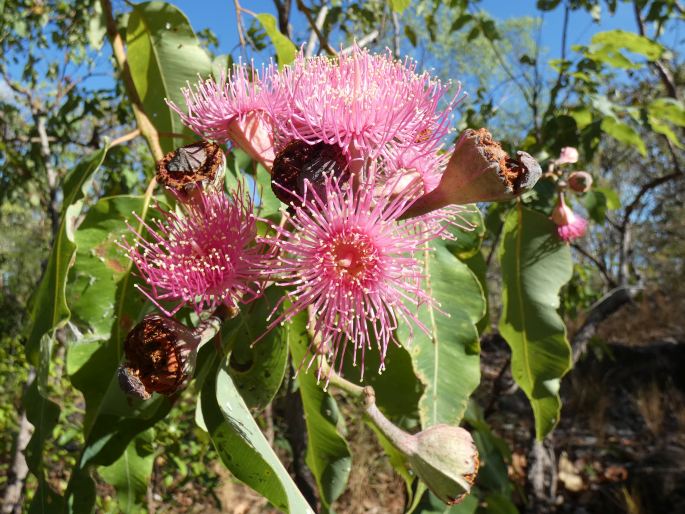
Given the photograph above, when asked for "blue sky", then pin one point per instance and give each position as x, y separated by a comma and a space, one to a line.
219, 15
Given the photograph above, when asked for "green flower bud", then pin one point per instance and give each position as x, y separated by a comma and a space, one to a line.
446, 459
443, 456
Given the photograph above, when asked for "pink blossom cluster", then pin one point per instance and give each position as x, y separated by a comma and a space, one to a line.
343, 251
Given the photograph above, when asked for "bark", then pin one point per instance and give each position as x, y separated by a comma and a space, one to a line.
11, 502
542, 477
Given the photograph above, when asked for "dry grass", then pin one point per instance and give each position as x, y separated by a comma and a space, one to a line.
649, 400
373, 487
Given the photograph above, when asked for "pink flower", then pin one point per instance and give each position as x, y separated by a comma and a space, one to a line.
361, 102
568, 155
420, 162
353, 266
233, 109
205, 257
570, 225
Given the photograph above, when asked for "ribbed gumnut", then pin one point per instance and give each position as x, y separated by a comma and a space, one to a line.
479, 170
251, 134
580, 181
299, 162
443, 456
160, 356
191, 168
446, 459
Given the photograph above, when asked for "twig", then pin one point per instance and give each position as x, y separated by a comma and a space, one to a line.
311, 43
323, 40
370, 37
396, 34
661, 70
600, 311
125, 138
239, 23
600, 265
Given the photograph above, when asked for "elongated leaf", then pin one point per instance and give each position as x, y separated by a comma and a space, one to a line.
397, 389
49, 309
624, 133
285, 50
43, 414
102, 299
535, 265
243, 448
469, 235
258, 369
447, 362
399, 5
328, 455
131, 472
621, 39
163, 53
104, 287
668, 109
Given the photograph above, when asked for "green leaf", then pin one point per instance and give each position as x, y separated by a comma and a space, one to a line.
479, 267
616, 40
468, 236
131, 472
258, 369
668, 109
494, 453
624, 133
613, 201
399, 5
447, 361
163, 54
328, 455
596, 205
460, 22
535, 265
43, 414
103, 299
97, 28
49, 309
285, 49
410, 35
111, 420
397, 389
243, 448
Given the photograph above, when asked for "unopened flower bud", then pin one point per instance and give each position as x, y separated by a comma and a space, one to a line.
580, 181
570, 225
160, 356
192, 168
443, 456
568, 155
479, 171
251, 134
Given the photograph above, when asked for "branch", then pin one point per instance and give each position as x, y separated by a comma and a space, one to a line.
371, 36
311, 43
323, 40
600, 265
396, 34
645, 189
125, 138
661, 70
601, 310
147, 129
53, 204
